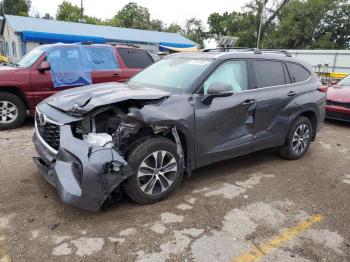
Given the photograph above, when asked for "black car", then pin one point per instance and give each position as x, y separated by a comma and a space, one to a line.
181, 113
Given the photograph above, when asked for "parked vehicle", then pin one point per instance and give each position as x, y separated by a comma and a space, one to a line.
24, 85
184, 112
338, 101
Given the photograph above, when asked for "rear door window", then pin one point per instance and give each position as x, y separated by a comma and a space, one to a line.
135, 58
297, 72
269, 73
101, 58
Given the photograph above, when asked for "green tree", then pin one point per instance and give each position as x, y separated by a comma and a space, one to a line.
92, 20
265, 12
289, 24
47, 16
15, 7
302, 24
156, 25
132, 16
239, 24
334, 29
194, 30
68, 12
175, 28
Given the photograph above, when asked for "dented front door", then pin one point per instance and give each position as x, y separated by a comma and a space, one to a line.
225, 128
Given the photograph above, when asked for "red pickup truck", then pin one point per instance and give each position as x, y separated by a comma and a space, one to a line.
25, 84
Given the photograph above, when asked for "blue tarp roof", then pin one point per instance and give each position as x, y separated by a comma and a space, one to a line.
42, 28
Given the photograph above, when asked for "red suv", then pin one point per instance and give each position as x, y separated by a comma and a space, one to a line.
48, 69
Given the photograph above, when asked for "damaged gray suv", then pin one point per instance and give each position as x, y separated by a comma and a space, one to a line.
181, 113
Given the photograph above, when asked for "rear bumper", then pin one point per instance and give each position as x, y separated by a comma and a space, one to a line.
83, 175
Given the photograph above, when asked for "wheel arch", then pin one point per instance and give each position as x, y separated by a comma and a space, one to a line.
309, 114
16, 91
312, 116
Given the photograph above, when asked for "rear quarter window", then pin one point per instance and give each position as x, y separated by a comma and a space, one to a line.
135, 58
297, 72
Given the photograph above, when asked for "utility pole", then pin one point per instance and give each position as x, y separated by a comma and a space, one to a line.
261, 22
81, 11
3, 9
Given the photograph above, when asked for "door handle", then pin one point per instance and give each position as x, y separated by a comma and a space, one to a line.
248, 102
116, 74
292, 93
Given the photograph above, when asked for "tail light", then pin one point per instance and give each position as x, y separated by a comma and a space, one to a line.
323, 89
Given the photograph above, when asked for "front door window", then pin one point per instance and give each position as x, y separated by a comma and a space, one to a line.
233, 73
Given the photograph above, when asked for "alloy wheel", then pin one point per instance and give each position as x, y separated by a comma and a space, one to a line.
8, 112
157, 172
301, 139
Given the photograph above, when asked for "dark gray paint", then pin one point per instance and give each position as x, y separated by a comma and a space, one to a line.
226, 128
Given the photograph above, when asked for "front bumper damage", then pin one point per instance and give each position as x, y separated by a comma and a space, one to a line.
84, 175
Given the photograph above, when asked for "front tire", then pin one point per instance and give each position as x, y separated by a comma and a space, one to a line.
298, 140
12, 111
158, 171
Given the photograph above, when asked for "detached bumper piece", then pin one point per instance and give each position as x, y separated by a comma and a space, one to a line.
83, 175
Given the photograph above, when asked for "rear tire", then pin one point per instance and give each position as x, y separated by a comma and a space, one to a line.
13, 111
298, 139
157, 170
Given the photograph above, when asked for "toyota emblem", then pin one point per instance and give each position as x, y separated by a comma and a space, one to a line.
42, 119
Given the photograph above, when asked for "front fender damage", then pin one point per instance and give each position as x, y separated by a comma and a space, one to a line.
85, 175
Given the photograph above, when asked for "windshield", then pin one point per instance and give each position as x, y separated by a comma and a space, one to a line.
171, 74
31, 57
345, 81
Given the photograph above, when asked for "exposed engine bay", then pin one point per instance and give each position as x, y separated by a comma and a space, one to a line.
93, 143
115, 126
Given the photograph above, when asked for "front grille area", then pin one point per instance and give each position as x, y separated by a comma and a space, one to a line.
49, 132
336, 103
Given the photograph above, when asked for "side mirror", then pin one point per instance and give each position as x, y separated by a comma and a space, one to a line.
44, 66
217, 90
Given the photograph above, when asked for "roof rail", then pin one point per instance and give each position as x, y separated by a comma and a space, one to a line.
224, 48
246, 49
123, 44
285, 52
227, 49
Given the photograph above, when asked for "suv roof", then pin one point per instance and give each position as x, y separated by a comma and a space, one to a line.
242, 53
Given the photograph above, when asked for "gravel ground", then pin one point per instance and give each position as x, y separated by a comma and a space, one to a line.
258, 207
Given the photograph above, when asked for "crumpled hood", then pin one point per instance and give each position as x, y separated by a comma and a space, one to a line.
339, 94
81, 100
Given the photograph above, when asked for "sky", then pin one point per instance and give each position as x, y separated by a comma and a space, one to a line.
164, 10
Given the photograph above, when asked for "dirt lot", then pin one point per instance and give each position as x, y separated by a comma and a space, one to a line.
259, 207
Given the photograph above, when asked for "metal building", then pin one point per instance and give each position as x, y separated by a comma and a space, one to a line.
21, 34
